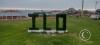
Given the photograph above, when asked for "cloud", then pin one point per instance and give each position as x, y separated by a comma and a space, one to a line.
51, 4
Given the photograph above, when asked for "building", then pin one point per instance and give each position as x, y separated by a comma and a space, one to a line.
13, 14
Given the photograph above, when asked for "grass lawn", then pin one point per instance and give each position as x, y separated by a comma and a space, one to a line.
15, 32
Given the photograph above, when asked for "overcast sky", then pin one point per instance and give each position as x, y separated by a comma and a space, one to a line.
47, 4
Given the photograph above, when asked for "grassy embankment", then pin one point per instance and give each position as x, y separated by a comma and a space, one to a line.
15, 32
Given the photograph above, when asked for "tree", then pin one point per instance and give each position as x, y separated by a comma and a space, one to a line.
98, 11
86, 12
71, 11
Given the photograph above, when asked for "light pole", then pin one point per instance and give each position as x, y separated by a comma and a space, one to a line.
82, 7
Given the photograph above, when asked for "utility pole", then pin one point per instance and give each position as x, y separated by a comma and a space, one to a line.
82, 7
96, 5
